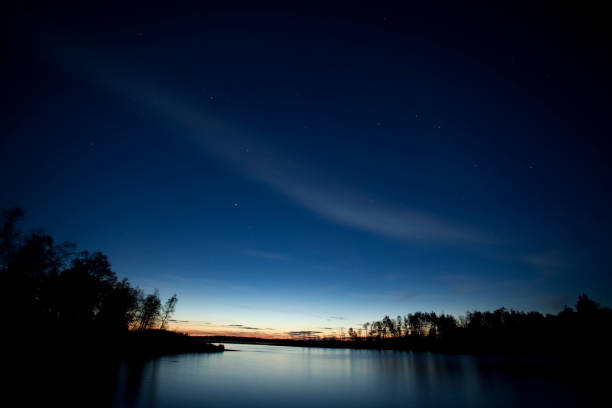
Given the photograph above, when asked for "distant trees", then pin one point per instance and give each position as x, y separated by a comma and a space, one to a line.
588, 326
366, 325
389, 327
50, 285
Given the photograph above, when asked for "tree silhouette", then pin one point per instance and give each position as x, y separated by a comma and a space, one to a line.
167, 311
366, 325
149, 312
9, 235
389, 326
586, 306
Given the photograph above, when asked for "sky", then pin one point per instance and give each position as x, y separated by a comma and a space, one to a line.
287, 168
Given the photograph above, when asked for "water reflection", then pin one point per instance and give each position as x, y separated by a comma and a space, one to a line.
273, 376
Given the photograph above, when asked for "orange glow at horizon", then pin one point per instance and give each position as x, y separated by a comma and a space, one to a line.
240, 332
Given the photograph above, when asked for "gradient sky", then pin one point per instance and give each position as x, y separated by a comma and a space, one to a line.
290, 169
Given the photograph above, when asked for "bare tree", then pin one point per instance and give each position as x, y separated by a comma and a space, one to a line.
167, 311
389, 326
398, 326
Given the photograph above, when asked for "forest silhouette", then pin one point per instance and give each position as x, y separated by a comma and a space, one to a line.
75, 301
572, 334
583, 329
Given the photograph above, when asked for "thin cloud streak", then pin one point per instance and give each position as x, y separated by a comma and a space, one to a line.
266, 255
241, 326
303, 185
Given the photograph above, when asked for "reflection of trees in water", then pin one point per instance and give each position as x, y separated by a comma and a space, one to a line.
465, 378
329, 377
424, 377
137, 383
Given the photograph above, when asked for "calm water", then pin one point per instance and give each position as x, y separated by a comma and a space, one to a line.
274, 376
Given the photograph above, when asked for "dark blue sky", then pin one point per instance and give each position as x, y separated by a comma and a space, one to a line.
297, 169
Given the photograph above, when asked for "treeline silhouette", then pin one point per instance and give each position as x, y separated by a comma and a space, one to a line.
585, 328
59, 299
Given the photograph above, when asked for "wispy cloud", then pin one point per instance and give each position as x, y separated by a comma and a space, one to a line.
357, 210
192, 322
304, 184
173, 277
303, 333
243, 327
548, 263
274, 256
461, 284
308, 186
393, 296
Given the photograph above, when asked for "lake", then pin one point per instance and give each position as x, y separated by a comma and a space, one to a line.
276, 376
